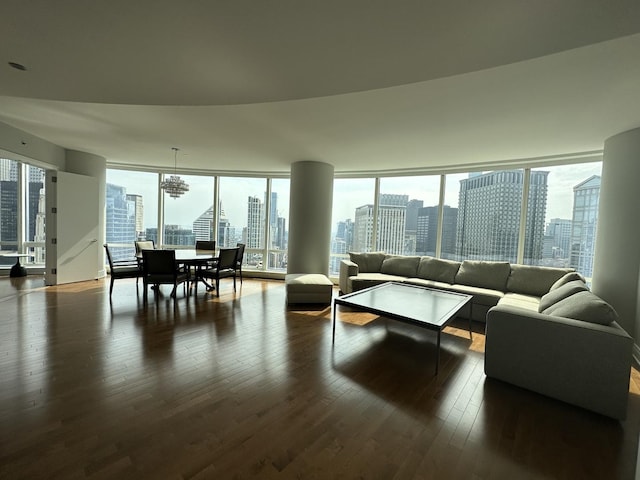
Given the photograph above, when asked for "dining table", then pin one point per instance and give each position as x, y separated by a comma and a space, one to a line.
195, 259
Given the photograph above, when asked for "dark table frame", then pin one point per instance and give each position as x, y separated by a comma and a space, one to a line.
394, 312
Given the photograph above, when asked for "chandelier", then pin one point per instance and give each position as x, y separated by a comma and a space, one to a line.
174, 186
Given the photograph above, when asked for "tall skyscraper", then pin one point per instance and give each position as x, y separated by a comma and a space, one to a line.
203, 225
390, 232
584, 221
558, 237
136, 208
120, 221
427, 231
411, 226
254, 234
489, 206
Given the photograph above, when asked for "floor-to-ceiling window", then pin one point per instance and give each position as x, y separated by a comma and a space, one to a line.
278, 224
131, 210
407, 221
351, 219
480, 217
189, 217
22, 211
243, 216
569, 210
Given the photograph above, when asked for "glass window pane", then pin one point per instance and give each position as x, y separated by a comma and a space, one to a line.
243, 216
488, 215
408, 215
35, 214
352, 199
278, 224
568, 240
189, 217
131, 210
8, 208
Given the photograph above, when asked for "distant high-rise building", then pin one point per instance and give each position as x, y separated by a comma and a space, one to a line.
558, 232
392, 216
489, 207
427, 231
411, 226
390, 234
120, 220
136, 207
584, 221
203, 226
254, 232
9, 215
178, 235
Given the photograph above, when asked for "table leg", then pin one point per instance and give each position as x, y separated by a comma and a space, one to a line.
333, 337
438, 353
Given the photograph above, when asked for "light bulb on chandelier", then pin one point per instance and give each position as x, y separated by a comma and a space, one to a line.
174, 186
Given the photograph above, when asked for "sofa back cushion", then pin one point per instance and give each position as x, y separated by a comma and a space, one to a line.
491, 275
368, 262
564, 291
404, 266
585, 306
437, 269
533, 280
566, 278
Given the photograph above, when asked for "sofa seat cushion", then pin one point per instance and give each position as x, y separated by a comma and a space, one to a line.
403, 266
481, 296
533, 280
564, 291
528, 302
369, 262
431, 268
366, 280
491, 275
584, 306
429, 283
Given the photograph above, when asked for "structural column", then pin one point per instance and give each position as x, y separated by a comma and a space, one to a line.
616, 270
310, 206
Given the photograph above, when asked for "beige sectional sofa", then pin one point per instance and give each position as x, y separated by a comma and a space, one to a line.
545, 331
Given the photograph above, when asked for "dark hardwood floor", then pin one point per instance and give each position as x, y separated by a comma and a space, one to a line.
242, 387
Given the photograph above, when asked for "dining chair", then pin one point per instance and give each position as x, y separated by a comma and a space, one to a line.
159, 267
224, 268
205, 244
239, 260
121, 269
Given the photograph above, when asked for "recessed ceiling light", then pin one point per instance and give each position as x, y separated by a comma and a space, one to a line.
18, 66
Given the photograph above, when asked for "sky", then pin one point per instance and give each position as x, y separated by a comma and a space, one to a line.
348, 193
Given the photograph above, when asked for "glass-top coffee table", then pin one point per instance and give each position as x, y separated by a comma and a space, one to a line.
422, 306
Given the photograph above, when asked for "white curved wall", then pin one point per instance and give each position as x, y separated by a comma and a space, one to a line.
310, 205
616, 275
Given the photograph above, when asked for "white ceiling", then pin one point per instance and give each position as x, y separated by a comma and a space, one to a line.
371, 85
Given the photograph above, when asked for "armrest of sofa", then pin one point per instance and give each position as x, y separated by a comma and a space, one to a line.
347, 269
582, 363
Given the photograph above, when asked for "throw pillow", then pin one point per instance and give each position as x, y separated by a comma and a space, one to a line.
584, 306
569, 277
369, 262
437, 269
491, 275
561, 293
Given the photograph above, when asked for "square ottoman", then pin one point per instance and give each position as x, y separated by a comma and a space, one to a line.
308, 288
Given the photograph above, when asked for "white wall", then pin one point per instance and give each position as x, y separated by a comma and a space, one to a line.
23, 146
